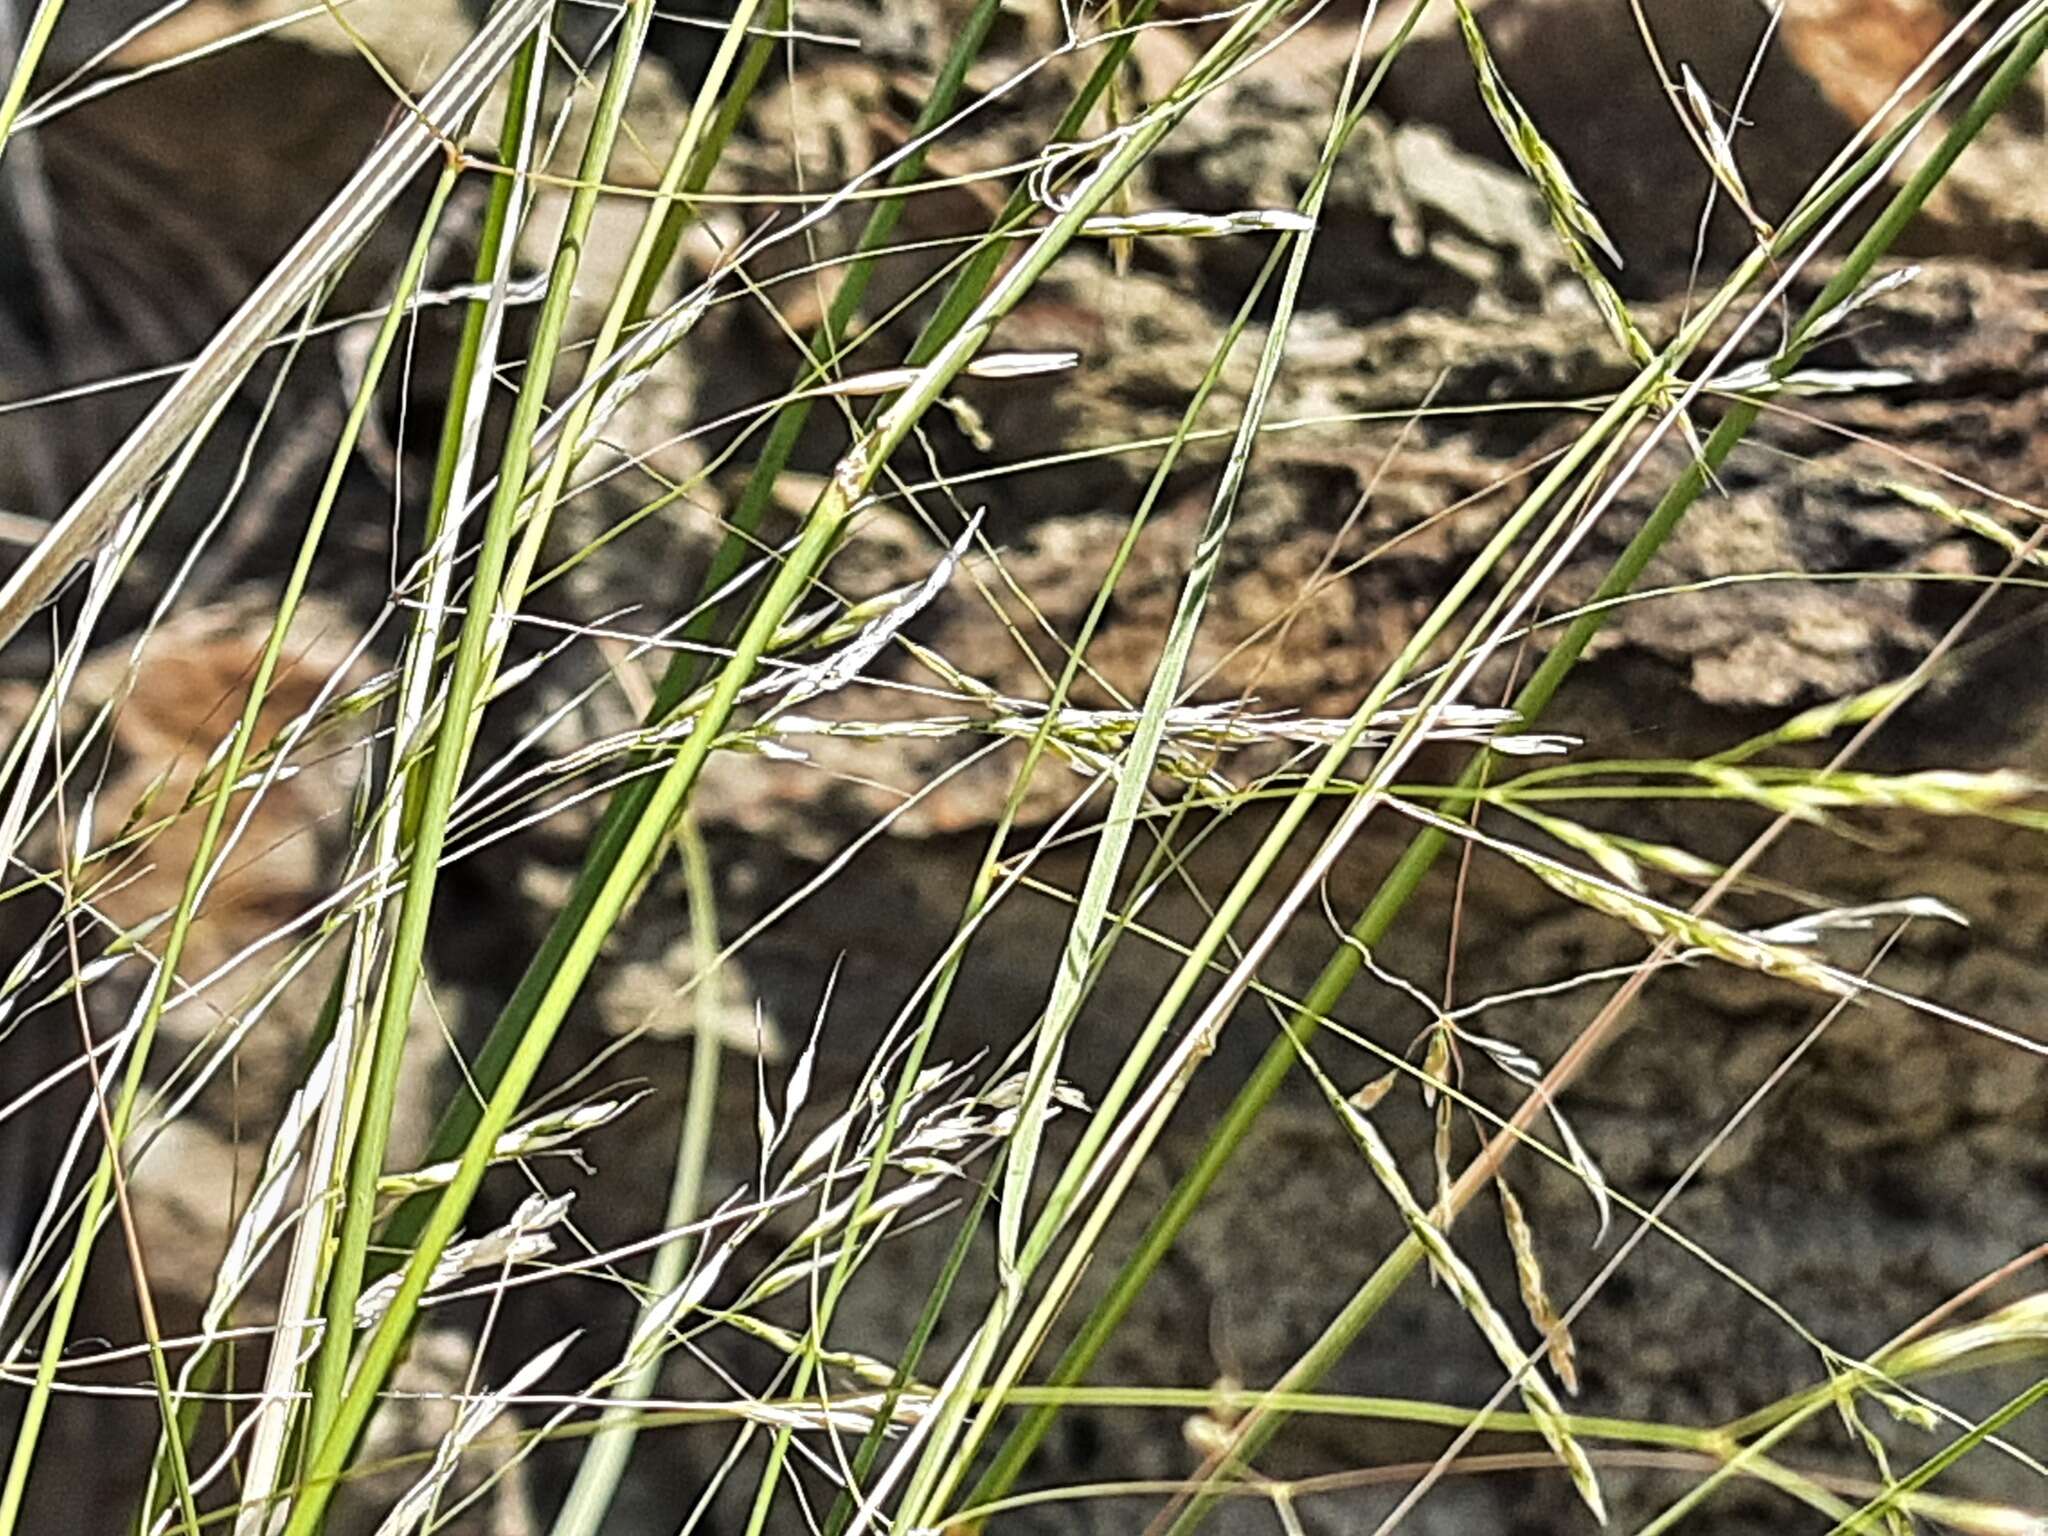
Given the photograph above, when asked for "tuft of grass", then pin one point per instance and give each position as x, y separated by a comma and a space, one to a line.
344, 1246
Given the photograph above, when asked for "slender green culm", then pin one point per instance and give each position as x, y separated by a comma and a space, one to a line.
951, 1420
590, 1497
681, 675
41, 28
467, 686
1018, 260
198, 876
822, 531
1422, 853
1379, 1287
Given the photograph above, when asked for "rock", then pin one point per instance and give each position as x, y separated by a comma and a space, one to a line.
1584, 73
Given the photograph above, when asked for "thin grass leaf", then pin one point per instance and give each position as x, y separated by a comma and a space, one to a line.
1588, 1171
1615, 861
1829, 320
312, 262
1767, 378
418, 1501
1196, 226
848, 663
1463, 1284
1971, 521
1535, 1298
1811, 927
1823, 720
521, 1240
544, 1133
992, 365
1077, 959
1571, 216
1369, 1098
1720, 146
